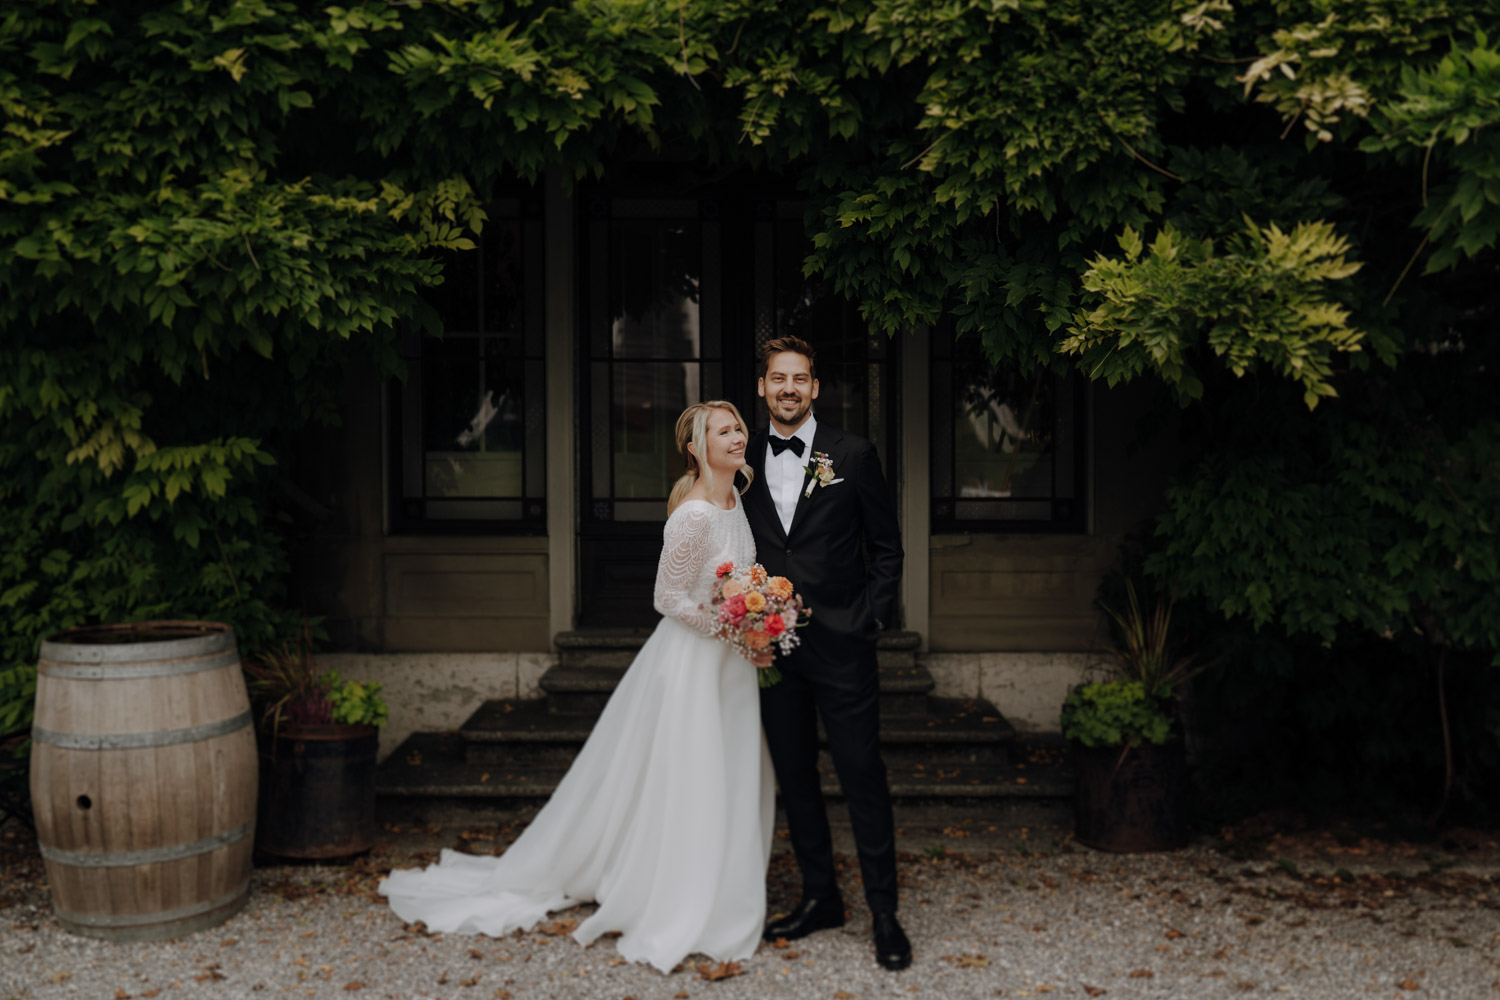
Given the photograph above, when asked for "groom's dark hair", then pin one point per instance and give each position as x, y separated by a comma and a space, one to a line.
784, 345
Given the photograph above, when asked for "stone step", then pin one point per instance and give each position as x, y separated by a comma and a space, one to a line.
616, 648
603, 648
524, 734
430, 779
582, 691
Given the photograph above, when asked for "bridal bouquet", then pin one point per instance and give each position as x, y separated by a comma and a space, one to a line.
756, 611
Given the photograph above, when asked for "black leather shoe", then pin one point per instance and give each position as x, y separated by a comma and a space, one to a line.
812, 914
892, 950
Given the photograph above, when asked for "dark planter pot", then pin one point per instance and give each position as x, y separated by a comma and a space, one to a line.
317, 791
1135, 805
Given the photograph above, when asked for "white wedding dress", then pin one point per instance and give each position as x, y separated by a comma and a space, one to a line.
665, 816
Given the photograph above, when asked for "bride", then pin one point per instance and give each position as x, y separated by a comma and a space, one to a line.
665, 817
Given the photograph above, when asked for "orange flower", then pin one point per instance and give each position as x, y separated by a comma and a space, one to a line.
779, 587
757, 639
724, 570
775, 625
757, 574
754, 601
733, 587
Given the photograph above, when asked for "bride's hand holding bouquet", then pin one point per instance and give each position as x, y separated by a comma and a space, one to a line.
758, 614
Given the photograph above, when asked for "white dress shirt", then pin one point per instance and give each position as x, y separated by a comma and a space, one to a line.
786, 473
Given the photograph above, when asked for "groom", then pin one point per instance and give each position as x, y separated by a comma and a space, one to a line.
822, 517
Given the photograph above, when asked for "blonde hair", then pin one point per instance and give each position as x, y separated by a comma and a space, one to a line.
692, 427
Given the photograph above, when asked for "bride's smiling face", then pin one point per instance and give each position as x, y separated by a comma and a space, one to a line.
723, 442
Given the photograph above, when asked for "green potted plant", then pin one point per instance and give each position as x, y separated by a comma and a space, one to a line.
1130, 757
318, 736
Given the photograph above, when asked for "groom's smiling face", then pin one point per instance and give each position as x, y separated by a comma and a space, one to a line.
788, 389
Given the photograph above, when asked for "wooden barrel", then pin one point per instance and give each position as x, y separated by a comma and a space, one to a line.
143, 778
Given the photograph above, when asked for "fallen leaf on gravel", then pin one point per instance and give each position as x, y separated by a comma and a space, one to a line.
476, 954
781, 943
843, 995
120, 994
471, 981
1142, 974
1174, 933
1046, 989
229, 942
968, 961
62, 977
1094, 991
725, 970
502, 995
559, 927
151, 992
356, 985
26, 948
1408, 984
619, 961
680, 995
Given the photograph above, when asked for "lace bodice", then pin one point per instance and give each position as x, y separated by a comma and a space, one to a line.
698, 537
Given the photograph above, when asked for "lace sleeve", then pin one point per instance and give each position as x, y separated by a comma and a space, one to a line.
685, 553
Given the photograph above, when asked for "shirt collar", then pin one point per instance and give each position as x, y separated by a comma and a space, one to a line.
805, 432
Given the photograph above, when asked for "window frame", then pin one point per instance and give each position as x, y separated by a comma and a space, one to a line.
410, 513
1070, 514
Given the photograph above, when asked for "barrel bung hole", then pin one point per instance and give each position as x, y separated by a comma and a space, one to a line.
84, 802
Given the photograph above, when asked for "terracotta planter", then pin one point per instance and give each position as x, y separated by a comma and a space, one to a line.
1133, 805
317, 791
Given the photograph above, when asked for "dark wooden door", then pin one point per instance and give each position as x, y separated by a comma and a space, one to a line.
678, 297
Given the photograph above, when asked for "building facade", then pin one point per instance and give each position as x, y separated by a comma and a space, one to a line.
513, 487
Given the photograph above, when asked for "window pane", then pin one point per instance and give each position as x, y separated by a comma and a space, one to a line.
1005, 440
457, 298
809, 308
1003, 430
654, 289
648, 397
504, 296
472, 412
473, 419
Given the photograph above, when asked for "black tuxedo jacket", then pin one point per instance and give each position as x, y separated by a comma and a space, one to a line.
843, 553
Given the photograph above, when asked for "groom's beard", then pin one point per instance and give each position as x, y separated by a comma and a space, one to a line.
788, 417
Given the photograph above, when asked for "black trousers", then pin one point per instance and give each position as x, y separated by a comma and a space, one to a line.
847, 697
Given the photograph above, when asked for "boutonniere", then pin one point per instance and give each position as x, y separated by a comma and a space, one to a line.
820, 471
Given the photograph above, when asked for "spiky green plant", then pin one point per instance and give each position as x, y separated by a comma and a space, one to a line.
1143, 647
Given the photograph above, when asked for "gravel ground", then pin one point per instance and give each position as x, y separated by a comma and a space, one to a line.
1011, 914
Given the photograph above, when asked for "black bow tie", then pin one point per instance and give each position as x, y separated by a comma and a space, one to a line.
781, 444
